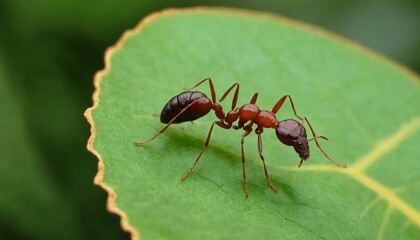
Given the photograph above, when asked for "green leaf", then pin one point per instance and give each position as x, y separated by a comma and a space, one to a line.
365, 104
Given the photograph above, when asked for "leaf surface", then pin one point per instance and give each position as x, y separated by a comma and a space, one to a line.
365, 104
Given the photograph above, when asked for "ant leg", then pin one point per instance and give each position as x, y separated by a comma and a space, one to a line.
280, 103
246, 133
278, 106
254, 98
139, 144
319, 146
213, 93
218, 123
262, 158
235, 96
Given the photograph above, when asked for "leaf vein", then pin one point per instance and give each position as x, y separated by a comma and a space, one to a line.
387, 145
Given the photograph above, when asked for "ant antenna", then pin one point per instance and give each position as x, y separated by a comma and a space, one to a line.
320, 148
323, 137
300, 163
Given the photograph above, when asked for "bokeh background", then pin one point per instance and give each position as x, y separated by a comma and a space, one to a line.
49, 52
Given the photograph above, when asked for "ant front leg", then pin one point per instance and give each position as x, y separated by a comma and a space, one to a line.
218, 123
259, 131
279, 104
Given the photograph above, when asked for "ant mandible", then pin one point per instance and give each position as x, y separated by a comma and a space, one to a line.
191, 105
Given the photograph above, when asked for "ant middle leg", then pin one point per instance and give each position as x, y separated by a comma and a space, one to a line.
235, 96
218, 123
254, 98
259, 132
248, 130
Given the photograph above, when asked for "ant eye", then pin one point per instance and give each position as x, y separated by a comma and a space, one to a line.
291, 136
191, 105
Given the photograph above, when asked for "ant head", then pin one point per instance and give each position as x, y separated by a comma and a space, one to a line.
292, 133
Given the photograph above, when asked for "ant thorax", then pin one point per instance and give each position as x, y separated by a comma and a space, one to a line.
191, 105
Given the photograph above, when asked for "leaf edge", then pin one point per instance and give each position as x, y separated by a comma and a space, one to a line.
98, 180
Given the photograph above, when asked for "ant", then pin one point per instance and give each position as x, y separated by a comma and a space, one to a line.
191, 105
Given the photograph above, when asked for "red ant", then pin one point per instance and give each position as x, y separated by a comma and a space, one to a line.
191, 105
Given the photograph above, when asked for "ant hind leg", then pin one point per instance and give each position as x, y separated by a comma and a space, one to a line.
213, 93
218, 123
139, 144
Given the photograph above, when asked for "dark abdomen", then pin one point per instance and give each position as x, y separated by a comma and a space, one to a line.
179, 102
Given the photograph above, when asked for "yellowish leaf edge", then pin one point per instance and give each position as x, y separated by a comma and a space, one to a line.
112, 196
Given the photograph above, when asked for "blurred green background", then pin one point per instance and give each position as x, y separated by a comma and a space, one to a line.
49, 52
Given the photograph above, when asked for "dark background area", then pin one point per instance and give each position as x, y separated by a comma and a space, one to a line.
49, 53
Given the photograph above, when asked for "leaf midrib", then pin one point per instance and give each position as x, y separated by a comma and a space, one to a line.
357, 170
